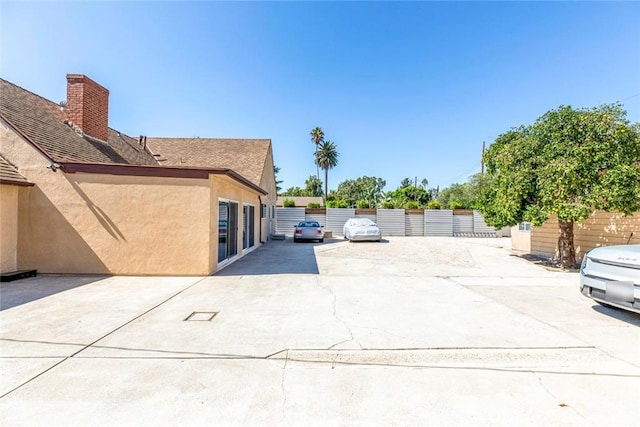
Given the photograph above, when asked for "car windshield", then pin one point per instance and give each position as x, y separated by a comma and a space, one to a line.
308, 224
362, 222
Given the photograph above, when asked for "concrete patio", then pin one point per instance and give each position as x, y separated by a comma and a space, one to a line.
441, 331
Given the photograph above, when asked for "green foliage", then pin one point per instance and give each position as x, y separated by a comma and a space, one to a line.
367, 188
412, 205
337, 204
317, 137
388, 204
433, 204
313, 186
327, 158
464, 196
288, 203
362, 204
313, 205
569, 163
405, 182
276, 170
294, 192
404, 196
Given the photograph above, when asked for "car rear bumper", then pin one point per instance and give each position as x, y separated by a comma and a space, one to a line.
363, 238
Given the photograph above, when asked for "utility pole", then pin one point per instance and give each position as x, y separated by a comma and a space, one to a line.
482, 160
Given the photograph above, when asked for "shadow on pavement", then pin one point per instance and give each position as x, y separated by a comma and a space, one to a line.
277, 257
618, 313
18, 292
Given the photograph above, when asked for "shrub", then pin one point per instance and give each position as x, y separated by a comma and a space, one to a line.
337, 204
288, 203
313, 205
433, 204
454, 204
388, 204
412, 204
362, 204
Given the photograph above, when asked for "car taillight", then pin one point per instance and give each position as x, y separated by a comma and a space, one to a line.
298, 231
319, 231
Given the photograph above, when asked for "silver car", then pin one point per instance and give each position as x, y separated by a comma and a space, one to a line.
308, 230
610, 275
361, 229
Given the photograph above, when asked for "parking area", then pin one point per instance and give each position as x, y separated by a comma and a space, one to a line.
441, 331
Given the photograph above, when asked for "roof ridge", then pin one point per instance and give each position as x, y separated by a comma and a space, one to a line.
28, 91
206, 137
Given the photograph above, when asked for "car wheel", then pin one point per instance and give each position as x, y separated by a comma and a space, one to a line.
295, 240
321, 240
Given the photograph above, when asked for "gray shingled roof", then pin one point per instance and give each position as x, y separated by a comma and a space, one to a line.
9, 174
245, 156
43, 122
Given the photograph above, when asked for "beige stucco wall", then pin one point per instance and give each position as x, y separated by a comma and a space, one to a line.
268, 183
520, 240
8, 228
99, 223
600, 229
225, 188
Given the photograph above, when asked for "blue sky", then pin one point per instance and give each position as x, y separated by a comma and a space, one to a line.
404, 89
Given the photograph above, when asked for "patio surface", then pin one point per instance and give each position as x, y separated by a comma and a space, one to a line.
444, 331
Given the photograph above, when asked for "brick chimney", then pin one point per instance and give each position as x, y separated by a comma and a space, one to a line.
88, 106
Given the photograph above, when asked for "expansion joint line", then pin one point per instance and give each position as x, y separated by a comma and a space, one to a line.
103, 337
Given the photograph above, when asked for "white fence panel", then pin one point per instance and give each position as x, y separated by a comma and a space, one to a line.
479, 226
414, 225
321, 218
287, 218
336, 217
438, 222
462, 224
391, 222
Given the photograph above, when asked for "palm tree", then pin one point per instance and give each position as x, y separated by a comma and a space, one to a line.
317, 137
327, 158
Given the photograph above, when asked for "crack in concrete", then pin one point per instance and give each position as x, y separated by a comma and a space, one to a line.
561, 403
282, 389
335, 315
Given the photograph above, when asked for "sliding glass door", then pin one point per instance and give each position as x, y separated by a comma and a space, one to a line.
248, 226
227, 230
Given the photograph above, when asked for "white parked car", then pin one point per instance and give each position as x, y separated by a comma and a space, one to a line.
611, 276
361, 229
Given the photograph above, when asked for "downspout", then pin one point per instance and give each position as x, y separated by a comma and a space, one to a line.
260, 199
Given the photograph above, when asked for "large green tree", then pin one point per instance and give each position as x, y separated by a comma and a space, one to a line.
463, 196
327, 158
317, 137
367, 188
570, 162
276, 170
313, 186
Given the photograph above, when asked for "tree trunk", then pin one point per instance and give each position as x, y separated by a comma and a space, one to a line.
316, 162
566, 250
326, 183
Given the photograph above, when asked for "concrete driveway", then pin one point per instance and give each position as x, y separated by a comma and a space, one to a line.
410, 331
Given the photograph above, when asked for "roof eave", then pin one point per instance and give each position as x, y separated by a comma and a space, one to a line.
156, 171
16, 182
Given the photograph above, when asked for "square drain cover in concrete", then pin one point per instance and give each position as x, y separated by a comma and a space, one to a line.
202, 316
